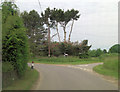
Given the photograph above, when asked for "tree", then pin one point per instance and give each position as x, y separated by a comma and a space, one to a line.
99, 52
92, 53
83, 49
55, 18
95, 53
46, 20
115, 48
55, 49
104, 51
65, 17
35, 30
8, 8
74, 16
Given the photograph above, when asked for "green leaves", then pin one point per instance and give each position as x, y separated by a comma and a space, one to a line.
14, 42
115, 48
35, 30
8, 9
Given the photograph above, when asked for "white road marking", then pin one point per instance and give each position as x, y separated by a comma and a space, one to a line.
82, 65
76, 67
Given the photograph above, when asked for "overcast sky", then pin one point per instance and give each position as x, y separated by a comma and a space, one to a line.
98, 22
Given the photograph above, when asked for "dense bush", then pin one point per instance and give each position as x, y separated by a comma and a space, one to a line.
72, 49
83, 55
96, 53
8, 75
56, 51
66, 48
14, 39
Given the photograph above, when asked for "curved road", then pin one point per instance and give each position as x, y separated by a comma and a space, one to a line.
70, 77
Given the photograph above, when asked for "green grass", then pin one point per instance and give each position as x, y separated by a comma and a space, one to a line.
64, 60
109, 67
26, 82
7, 66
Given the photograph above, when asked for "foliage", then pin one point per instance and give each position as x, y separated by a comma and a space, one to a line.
63, 18
92, 53
99, 52
7, 67
72, 49
115, 48
104, 51
8, 8
56, 51
96, 53
84, 49
35, 31
26, 82
50, 18
66, 48
64, 60
110, 65
14, 40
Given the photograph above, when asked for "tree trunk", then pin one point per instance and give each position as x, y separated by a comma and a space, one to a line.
58, 32
48, 40
64, 34
70, 31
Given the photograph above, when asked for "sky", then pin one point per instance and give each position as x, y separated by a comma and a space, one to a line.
98, 22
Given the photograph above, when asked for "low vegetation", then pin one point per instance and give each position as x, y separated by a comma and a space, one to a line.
25, 82
110, 65
65, 60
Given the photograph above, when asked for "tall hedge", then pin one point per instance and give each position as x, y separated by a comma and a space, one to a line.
14, 40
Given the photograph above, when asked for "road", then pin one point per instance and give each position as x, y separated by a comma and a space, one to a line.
70, 77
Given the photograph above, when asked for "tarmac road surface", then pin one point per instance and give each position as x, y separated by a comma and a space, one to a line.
70, 77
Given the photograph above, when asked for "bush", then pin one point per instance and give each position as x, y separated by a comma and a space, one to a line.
96, 53
75, 48
8, 74
14, 41
83, 55
56, 51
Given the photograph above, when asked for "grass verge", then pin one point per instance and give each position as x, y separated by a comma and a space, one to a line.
26, 82
99, 69
109, 67
65, 60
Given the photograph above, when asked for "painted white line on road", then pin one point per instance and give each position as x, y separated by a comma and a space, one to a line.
82, 65
84, 69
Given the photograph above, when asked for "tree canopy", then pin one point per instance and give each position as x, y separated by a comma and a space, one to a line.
35, 30
115, 48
